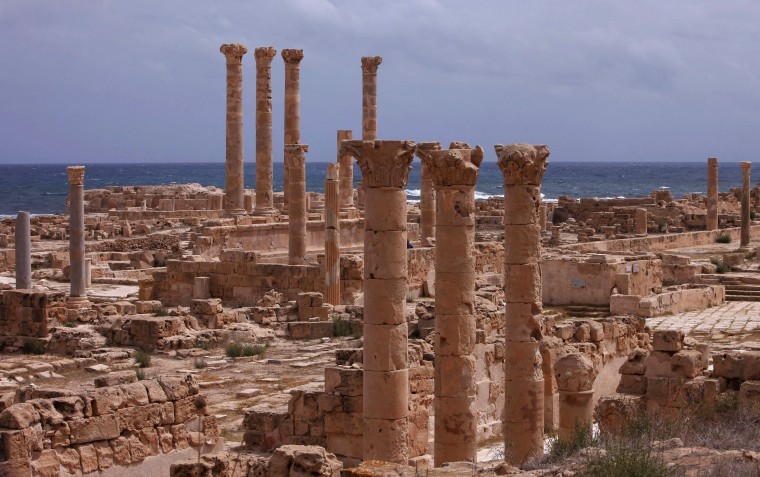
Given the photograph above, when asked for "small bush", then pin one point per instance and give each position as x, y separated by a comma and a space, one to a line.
200, 363
341, 327
69, 324
237, 350
162, 312
142, 358
752, 215
33, 347
720, 264
140, 374
662, 225
204, 345
622, 460
723, 238
580, 438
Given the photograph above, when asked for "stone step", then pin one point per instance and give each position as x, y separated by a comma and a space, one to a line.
742, 298
743, 287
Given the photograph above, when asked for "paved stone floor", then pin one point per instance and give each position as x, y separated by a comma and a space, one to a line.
736, 322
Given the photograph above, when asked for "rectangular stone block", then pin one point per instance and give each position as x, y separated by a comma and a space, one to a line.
93, 429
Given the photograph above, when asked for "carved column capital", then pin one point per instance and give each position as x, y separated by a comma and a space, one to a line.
264, 55
522, 163
76, 175
454, 167
424, 148
370, 64
233, 51
292, 56
383, 163
746, 167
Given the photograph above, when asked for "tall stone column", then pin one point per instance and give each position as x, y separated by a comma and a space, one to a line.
346, 172
427, 195
234, 185
385, 169
332, 235
76, 233
454, 173
295, 156
23, 251
292, 129
369, 96
523, 168
712, 193
264, 194
746, 220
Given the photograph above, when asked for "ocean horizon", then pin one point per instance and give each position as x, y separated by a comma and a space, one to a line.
42, 188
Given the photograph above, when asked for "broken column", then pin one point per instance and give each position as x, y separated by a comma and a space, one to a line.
369, 96
385, 169
332, 236
427, 195
76, 234
292, 129
746, 219
523, 167
640, 221
454, 173
295, 156
346, 172
234, 185
264, 195
575, 373
23, 251
712, 193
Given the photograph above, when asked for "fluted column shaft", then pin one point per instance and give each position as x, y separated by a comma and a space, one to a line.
369, 96
234, 181
264, 195
427, 194
295, 156
292, 129
712, 193
385, 169
332, 235
523, 167
453, 174
746, 220
23, 251
346, 172
76, 231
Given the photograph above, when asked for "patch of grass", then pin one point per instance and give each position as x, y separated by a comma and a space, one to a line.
204, 345
752, 215
722, 267
723, 238
162, 312
34, 347
622, 460
237, 350
581, 437
140, 374
142, 358
200, 363
70, 324
341, 327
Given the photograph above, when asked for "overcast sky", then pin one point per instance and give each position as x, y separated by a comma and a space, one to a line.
143, 80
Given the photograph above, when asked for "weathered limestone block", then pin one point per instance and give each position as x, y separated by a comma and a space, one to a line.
292, 460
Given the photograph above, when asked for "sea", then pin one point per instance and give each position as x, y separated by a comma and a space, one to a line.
42, 188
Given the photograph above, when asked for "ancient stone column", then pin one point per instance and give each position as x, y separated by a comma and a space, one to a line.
427, 195
295, 156
76, 233
264, 195
332, 235
346, 172
454, 173
385, 169
640, 221
292, 129
746, 220
234, 185
575, 373
23, 251
369, 96
523, 168
712, 193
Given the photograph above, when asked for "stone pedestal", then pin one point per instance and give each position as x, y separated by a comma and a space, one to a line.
346, 172
385, 169
712, 193
264, 194
292, 128
295, 156
332, 235
523, 168
23, 251
746, 220
640, 222
76, 232
427, 195
201, 288
575, 374
234, 185
453, 174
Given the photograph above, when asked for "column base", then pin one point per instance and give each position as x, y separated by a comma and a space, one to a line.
76, 302
266, 211
235, 212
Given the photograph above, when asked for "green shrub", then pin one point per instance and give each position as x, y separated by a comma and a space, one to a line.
622, 460
580, 438
205, 345
33, 347
142, 358
723, 238
341, 327
162, 312
236, 350
720, 264
200, 363
140, 374
752, 215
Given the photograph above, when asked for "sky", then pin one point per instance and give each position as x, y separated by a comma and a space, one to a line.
107, 81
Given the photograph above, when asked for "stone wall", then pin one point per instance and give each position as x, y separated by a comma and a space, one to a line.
163, 198
26, 314
113, 430
671, 300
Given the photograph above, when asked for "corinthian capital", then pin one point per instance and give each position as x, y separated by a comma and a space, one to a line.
233, 51
292, 56
522, 163
454, 167
424, 148
370, 64
383, 163
76, 175
264, 55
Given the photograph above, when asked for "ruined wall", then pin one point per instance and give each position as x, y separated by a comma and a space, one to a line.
114, 430
674, 299
164, 198
25, 315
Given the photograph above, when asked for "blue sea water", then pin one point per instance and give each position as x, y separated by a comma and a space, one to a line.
42, 189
